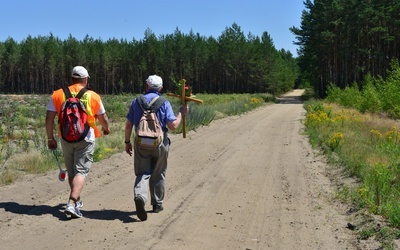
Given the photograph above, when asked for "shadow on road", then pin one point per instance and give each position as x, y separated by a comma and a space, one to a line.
109, 214
290, 99
35, 210
58, 212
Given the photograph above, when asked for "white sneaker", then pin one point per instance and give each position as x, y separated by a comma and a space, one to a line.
73, 211
78, 213
79, 204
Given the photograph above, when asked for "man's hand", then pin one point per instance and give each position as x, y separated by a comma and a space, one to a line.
184, 109
128, 148
52, 144
106, 131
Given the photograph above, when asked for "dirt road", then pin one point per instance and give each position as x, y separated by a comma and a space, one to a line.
246, 182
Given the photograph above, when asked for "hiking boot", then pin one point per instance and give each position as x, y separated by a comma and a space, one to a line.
140, 210
157, 208
73, 211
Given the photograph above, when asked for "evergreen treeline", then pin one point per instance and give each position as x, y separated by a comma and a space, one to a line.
342, 41
232, 63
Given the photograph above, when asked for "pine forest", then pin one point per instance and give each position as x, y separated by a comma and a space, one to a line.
343, 41
232, 63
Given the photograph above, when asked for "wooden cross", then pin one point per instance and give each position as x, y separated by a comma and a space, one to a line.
184, 98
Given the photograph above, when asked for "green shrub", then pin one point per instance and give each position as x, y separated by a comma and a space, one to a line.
376, 95
371, 100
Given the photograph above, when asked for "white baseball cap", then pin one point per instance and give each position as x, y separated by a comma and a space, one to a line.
79, 72
154, 82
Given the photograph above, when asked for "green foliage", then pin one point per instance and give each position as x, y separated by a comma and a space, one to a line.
349, 97
371, 100
376, 96
112, 143
377, 184
117, 106
368, 148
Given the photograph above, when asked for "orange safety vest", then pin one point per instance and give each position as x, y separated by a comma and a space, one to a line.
90, 99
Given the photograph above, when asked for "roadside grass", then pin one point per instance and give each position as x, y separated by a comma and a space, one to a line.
367, 146
23, 142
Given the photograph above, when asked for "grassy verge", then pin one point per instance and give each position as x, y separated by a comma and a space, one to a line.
368, 148
23, 142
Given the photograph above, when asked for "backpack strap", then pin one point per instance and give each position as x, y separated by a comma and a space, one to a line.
68, 94
154, 105
157, 102
143, 103
154, 100
81, 93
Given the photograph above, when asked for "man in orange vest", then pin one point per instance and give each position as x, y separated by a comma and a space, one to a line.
78, 156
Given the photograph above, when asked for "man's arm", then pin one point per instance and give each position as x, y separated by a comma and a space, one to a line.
128, 133
184, 110
103, 120
51, 142
175, 124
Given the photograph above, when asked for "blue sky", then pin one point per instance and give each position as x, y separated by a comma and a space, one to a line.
128, 19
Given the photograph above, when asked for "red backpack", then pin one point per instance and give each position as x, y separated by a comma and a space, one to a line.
73, 117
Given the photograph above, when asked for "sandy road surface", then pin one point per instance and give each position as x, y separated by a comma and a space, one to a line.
248, 182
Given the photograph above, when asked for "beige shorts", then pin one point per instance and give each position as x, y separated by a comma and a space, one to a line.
78, 157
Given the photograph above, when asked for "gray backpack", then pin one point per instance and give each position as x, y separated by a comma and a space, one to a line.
149, 133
